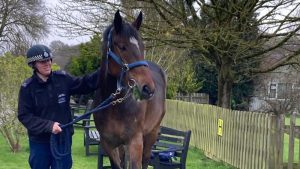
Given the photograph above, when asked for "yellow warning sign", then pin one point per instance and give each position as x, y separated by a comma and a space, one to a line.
220, 127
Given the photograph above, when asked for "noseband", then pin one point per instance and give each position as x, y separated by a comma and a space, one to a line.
125, 66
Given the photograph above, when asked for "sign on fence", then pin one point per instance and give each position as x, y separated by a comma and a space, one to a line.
220, 127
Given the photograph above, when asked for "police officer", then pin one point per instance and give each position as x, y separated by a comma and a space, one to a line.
44, 105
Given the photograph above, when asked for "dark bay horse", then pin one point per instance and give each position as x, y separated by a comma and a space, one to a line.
132, 123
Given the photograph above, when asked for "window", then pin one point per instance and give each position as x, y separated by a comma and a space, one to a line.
284, 90
280, 90
273, 90
296, 86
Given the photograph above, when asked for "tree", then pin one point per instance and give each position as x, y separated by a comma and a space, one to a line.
81, 17
63, 53
232, 36
188, 82
179, 69
13, 71
167, 57
89, 58
57, 45
20, 23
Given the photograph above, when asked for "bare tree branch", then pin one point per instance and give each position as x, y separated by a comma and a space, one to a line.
21, 21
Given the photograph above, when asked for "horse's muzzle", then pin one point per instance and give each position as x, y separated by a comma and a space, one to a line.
147, 93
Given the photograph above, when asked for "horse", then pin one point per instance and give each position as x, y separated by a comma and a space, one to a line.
138, 87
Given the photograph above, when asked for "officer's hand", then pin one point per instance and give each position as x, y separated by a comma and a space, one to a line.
56, 129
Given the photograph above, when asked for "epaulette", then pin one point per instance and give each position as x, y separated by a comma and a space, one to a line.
60, 72
27, 82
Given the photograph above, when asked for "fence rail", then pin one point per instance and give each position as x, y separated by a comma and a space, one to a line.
246, 140
201, 98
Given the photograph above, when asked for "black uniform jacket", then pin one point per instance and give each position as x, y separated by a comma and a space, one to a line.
43, 103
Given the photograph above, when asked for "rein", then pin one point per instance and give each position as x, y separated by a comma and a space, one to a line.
60, 144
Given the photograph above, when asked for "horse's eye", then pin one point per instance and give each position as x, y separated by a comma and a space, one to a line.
121, 47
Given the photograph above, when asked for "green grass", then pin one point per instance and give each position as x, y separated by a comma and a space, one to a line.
196, 159
9, 160
286, 148
286, 143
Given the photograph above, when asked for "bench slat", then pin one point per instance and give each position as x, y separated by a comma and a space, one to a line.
171, 139
93, 134
171, 131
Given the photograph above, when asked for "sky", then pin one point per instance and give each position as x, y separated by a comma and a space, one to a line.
53, 35
72, 41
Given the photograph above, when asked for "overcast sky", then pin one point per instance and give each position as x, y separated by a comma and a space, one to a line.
53, 36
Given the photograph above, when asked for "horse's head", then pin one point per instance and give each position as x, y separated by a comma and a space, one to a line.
124, 51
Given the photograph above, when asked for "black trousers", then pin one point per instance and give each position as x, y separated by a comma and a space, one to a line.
41, 158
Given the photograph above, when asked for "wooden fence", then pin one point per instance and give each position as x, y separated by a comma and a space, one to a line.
201, 98
246, 140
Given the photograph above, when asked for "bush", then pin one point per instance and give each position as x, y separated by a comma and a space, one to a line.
13, 71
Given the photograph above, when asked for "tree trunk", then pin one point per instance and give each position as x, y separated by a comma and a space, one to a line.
14, 144
225, 82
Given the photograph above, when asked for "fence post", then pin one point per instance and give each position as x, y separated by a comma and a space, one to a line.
272, 142
280, 139
275, 142
292, 140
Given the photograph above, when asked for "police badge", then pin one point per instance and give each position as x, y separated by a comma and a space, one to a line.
46, 54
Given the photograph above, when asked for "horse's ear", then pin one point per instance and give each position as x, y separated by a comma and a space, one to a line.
138, 22
118, 22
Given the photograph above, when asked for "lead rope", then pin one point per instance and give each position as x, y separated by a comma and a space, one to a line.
60, 144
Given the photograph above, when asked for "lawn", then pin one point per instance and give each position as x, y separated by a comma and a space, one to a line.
9, 160
196, 159
286, 143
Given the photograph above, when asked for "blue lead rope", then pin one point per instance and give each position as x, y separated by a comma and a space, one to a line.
60, 144
102, 106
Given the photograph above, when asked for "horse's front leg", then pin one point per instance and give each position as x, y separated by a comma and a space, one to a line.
149, 140
135, 148
113, 154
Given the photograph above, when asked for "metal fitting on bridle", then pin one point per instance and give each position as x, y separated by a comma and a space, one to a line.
131, 83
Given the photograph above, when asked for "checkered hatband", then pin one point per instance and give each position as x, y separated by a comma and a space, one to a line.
38, 53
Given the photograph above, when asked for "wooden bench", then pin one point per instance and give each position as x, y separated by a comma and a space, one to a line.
91, 138
91, 135
171, 148
170, 141
77, 109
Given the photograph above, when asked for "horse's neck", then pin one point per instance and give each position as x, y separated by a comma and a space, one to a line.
108, 83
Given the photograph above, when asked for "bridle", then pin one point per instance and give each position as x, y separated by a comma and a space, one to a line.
125, 67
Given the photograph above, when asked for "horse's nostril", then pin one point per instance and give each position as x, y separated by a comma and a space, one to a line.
146, 91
